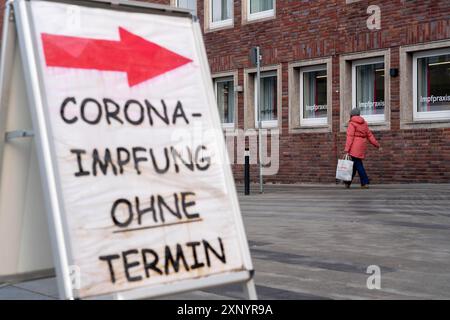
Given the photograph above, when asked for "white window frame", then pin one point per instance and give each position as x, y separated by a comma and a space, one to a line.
375, 118
261, 14
312, 121
222, 23
265, 123
426, 115
227, 125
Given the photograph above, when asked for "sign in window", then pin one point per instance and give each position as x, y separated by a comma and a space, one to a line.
369, 89
433, 84
313, 96
260, 5
225, 100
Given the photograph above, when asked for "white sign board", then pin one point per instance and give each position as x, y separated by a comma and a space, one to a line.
139, 185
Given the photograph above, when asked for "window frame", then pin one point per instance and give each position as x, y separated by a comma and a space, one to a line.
219, 24
176, 2
311, 121
227, 125
265, 124
260, 15
371, 119
426, 115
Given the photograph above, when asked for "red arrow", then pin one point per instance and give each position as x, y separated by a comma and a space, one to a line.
138, 57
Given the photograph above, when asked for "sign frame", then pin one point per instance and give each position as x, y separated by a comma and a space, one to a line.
26, 243
58, 227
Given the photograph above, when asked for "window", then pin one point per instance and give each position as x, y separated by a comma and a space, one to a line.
364, 83
310, 95
368, 88
187, 4
270, 97
268, 100
224, 88
259, 9
431, 82
221, 13
313, 95
424, 85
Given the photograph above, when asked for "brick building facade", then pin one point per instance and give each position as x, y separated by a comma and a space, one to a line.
375, 54
337, 33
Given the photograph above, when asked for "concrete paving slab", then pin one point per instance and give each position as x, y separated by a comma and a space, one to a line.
15, 293
321, 239
47, 287
317, 241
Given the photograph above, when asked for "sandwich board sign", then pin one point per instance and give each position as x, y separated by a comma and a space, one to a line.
139, 193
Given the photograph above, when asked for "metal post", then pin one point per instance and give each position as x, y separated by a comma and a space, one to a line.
247, 172
250, 290
258, 105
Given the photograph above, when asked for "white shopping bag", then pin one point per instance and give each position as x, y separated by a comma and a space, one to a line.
344, 170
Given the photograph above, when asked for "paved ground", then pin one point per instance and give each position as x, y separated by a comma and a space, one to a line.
316, 242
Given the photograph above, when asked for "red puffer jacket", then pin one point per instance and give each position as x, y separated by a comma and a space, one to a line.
358, 133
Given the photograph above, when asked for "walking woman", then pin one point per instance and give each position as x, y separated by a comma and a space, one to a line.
358, 133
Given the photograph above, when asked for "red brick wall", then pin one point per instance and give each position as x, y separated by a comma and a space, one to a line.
310, 29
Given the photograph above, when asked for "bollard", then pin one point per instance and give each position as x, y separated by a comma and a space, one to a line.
247, 171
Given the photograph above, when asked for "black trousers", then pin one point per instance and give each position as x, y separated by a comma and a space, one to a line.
358, 166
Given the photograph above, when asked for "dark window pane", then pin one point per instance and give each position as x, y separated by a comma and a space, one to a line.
260, 5
268, 98
225, 100
188, 4
433, 83
315, 94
